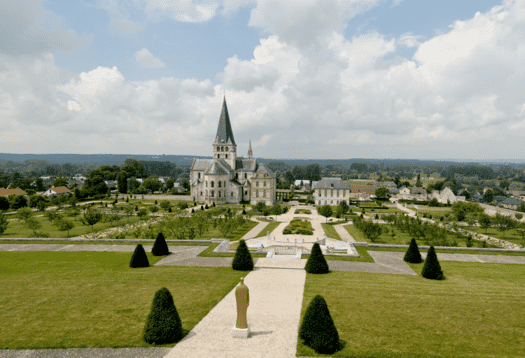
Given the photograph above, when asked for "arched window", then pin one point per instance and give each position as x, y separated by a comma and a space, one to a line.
212, 183
245, 175
212, 193
199, 175
226, 156
220, 184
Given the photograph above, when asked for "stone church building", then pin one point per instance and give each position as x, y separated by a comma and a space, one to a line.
228, 178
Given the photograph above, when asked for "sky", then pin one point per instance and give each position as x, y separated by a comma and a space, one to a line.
312, 79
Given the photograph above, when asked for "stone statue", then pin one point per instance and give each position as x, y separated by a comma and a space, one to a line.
242, 295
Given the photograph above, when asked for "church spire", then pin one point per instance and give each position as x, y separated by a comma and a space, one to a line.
224, 130
250, 153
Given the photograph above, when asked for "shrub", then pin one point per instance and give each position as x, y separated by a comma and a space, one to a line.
243, 211
432, 268
518, 216
202, 207
139, 258
243, 259
412, 255
163, 324
169, 209
316, 262
206, 206
192, 211
317, 329
156, 202
160, 248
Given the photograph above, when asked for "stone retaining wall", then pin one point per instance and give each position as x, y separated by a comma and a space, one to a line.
439, 247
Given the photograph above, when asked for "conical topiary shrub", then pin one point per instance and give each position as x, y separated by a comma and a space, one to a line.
139, 258
412, 255
163, 324
318, 330
160, 248
432, 268
316, 262
243, 259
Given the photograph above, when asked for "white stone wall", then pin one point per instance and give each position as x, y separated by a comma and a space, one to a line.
333, 196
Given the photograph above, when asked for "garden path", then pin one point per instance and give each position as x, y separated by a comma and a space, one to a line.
274, 312
343, 233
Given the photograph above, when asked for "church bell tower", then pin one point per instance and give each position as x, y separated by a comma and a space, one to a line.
224, 146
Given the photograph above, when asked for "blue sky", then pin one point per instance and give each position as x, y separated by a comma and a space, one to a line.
305, 79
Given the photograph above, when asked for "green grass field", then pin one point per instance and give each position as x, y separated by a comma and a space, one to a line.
330, 231
93, 299
270, 227
476, 312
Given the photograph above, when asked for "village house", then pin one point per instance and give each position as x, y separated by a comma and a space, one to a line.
331, 191
59, 190
511, 203
16, 191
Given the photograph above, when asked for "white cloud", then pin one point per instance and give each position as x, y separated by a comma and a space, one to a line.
182, 10
28, 28
146, 60
125, 26
409, 39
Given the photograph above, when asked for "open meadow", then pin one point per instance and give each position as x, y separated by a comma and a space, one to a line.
477, 311
93, 299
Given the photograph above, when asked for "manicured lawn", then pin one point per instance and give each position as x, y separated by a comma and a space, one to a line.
302, 211
270, 227
476, 312
402, 238
330, 231
298, 226
93, 299
18, 228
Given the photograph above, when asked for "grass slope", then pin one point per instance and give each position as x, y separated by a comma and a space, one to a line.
476, 312
93, 299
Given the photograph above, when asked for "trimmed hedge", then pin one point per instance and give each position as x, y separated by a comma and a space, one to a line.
316, 262
413, 255
139, 258
432, 268
318, 330
242, 260
160, 248
163, 324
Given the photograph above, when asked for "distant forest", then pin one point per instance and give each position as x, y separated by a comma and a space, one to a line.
32, 165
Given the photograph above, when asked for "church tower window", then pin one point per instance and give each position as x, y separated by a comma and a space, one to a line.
212, 183
220, 184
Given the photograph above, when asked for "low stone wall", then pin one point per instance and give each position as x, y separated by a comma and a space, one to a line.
161, 197
439, 247
131, 241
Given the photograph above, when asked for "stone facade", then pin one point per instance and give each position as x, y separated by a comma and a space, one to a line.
227, 178
331, 191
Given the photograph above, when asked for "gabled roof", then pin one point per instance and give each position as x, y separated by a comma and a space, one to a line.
264, 169
61, 190
6, 192
201, 164
224, 130
215, 169
511, 201
364, 189
246, 164
330, 183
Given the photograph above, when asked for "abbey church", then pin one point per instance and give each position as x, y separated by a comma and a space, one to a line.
228, 178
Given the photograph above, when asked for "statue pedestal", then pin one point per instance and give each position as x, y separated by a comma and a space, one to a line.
241, 332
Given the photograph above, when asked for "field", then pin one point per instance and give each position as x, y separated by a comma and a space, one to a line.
93, 299
330, 231
476, 312
270, 227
